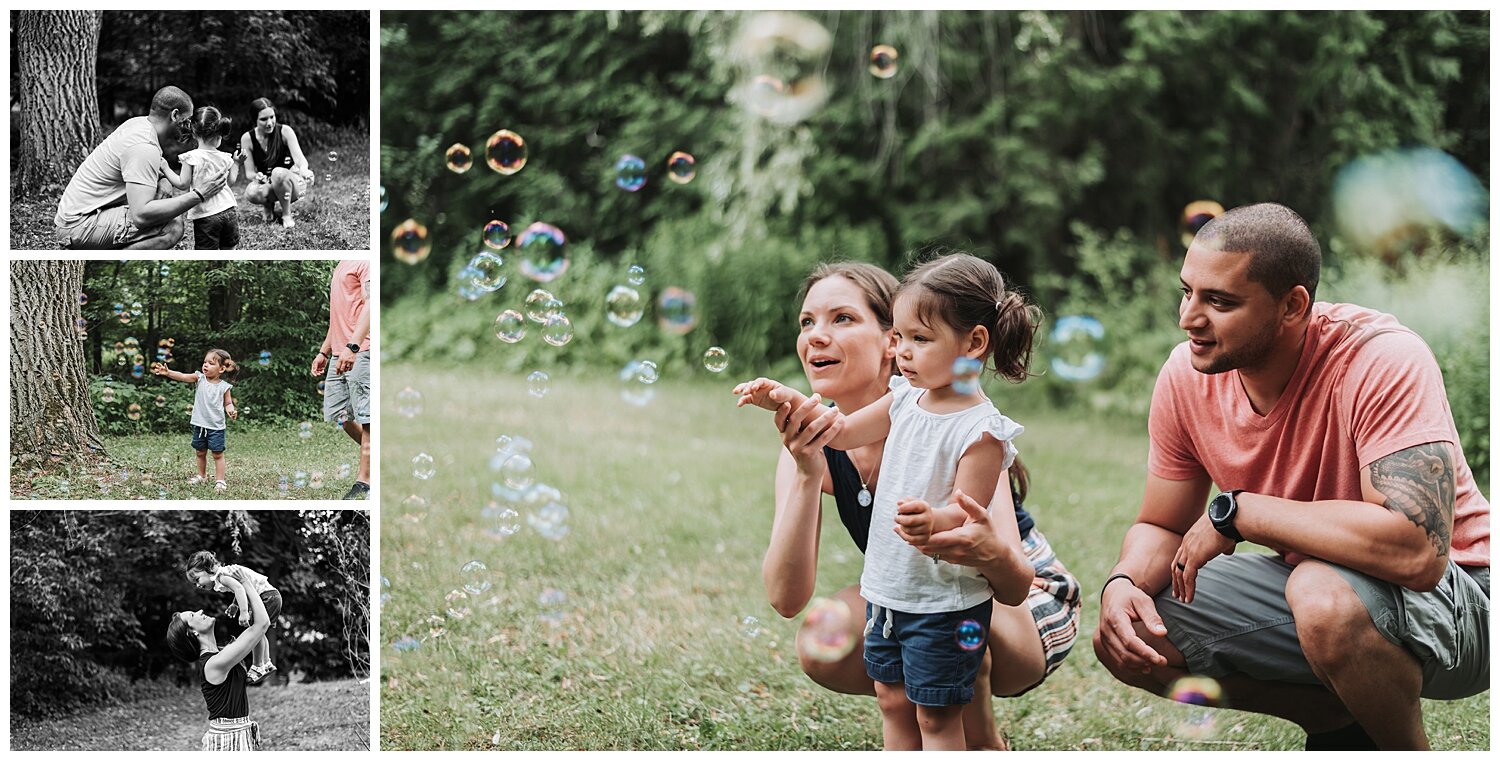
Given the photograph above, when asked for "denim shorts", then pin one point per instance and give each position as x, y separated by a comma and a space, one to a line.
217, 231
923, 652
207, 438
270, 598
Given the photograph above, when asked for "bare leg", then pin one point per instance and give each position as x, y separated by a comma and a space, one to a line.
165, 237
364, 453
218, 466
202, 463
1379, 682
942, 727
899, 718
262, 652
285, 190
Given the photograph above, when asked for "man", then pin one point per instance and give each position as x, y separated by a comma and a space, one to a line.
118, 198
1328, 427
345, 355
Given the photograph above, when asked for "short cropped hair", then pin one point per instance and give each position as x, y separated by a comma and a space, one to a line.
1282, 248
168, 98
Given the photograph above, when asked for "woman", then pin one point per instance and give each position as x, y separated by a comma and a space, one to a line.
190, 637
847, 354
275, 164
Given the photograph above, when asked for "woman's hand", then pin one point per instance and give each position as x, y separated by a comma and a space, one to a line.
806, 429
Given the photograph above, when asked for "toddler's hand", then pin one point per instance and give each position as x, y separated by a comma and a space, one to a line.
157, 368
914, 521
762, 392
233, 413
244, 619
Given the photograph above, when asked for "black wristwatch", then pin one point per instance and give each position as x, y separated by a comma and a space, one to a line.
1222, 511
353, 348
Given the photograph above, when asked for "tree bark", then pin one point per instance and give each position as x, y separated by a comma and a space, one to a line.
59, 108
52, 417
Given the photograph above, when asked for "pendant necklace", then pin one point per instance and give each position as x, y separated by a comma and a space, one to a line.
864, 490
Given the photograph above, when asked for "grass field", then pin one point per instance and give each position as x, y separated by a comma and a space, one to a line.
335, 214
315, 716
670, 509
158, 465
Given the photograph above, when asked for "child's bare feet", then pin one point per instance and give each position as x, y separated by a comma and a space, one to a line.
195, 480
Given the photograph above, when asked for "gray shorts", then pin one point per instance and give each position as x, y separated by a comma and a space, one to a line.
348, 393
1240, 623
109, 228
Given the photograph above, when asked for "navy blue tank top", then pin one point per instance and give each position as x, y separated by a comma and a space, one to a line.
856, 518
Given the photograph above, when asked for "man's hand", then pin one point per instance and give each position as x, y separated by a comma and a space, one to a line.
346, 361
319, 365
1200, 544
212, 183
1121, 606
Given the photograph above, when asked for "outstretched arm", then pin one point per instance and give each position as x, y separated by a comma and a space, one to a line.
219, 665
868, 425
299, 161
158, 368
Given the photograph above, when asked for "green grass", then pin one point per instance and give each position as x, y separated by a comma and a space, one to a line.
315, 716
335, 214
157, 465
670, 512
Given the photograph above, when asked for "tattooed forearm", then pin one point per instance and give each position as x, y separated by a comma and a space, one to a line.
1420, 483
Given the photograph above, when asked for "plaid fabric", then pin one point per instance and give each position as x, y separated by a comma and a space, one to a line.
231, 735
1054, 599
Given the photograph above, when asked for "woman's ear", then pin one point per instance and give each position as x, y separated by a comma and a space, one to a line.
890, 344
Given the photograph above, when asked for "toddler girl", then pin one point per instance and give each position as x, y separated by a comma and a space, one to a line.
927, 621
211, 402
204, 570
216, 220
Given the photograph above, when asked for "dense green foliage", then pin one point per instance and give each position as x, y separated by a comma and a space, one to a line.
93, 592
243, 307
1059, 145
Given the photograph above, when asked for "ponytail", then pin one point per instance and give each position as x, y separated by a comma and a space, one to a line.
1016, 322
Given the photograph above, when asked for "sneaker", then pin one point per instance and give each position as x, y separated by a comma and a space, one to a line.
360, 490
220, 486
195, 480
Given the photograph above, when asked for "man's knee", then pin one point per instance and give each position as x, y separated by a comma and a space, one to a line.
1329, 615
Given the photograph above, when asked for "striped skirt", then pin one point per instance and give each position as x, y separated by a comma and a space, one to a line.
1054, 600
231, 735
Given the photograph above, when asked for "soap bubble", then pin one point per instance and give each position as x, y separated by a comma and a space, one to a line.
506, 521
966, 375
1383, 200
1077, 348
124, 317
422, 466
83, 299
468, 282
265, 359
544, 252
624, 306
1202, 693
557, 330
751, 628
537, 383
715, 360
460, 158
107, 395
138, 371
551, 601
135, 308
781, 56
970, 634
505, 152
510, 326
635, 274
409, 402
476, 577
675, 310
630, 173
549, 517
344, 470
161, 401
413, 504
333, 157
542, 306
825, 634
517, 471
1194, 216
133, 411
490, 269
681, 167
635, 382
385, 199
81, 327
165, 271
496, 234
409, 241
883, 61
385, 593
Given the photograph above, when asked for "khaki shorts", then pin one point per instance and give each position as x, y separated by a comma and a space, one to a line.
109, 228
1240, 623
348, 393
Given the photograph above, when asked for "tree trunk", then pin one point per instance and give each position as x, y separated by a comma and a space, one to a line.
59, 110
52, 417
224, 297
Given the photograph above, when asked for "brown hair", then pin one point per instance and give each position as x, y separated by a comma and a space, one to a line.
878, 286
1283, 251
273, 143
181, 640
225, 361
202, 560
964, 292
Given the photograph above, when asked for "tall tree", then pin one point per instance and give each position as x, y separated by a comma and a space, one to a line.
59, 112
51, 416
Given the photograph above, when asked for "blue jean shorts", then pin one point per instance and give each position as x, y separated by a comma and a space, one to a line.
928, 652
207, 438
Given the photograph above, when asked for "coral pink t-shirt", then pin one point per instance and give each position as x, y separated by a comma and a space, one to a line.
347, 292
1365, 387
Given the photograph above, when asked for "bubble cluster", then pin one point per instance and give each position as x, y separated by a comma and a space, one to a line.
715, 359
883, 61
505, 152
1077, 345
676, 310
460, 158
542, 306
510, 326
422, 466
825, 634
1194, 216
970, 634
496, 234
630, 173
966, 375
681, 167
544, 252
476, 577
750, 627
409, 241
624, 306
409, 402
538, 383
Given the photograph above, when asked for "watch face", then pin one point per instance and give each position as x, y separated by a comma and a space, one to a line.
1218, 510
